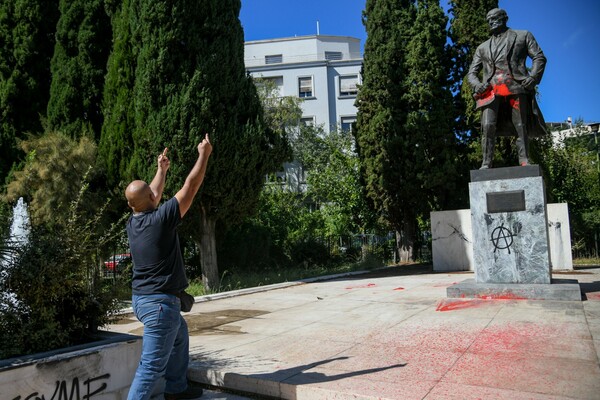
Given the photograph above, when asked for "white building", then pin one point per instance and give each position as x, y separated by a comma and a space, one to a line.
561, 131
323, 70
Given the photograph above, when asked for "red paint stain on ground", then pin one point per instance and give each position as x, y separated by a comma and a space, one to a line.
368, 285
593, 296
506, 354
451, 305
399, 288
523, 338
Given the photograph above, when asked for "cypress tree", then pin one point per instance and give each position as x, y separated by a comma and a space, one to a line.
468, 29
381, 128
190, 79
429, 173
78, 67
27, 38
116, 140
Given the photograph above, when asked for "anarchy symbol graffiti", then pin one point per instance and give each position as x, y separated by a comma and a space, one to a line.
502, 238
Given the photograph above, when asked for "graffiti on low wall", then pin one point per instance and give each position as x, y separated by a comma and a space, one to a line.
76, 390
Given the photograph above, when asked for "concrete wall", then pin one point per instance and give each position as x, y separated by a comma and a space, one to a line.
101, 371
559, 236
452, 240
452, 236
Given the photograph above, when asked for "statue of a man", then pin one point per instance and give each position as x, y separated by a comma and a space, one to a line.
506, 95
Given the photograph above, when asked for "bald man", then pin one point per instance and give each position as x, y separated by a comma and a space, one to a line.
159, 279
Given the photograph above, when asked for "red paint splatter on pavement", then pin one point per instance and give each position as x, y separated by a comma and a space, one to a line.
530, 337
399, 288
451, 305
523, 355
593, 296
369, 285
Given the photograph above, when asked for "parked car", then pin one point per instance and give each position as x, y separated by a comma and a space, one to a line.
118, 262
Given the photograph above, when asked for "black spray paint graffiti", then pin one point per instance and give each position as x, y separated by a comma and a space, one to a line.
502, 238
91, 387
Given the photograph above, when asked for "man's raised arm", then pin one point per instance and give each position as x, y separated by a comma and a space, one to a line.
188, 191
158, 183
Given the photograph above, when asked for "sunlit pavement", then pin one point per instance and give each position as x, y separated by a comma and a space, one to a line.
394, 334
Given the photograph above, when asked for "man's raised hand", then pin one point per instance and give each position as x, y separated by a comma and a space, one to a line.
205, 147
163, 161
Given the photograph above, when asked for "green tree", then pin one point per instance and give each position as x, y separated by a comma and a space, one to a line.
116, 140
468, 29
572, 176
56, 297
382, 107
404, 127
78, 67
429, 146
282, 113
333, 180
27, 30
52, 176
190, 79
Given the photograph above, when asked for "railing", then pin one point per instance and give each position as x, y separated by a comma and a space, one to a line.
586, 248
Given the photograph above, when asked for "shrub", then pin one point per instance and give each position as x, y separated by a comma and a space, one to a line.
57, 297
310, 252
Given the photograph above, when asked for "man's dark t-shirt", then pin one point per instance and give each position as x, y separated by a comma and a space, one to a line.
154, 242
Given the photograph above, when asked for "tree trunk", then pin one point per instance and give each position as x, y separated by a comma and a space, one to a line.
208, 252
405, 242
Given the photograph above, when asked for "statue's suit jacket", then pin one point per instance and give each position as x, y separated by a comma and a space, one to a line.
520, 45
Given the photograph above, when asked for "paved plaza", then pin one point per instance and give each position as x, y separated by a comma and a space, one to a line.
393, 334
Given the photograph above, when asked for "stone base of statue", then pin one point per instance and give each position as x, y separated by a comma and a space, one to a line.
559, 290
510, 238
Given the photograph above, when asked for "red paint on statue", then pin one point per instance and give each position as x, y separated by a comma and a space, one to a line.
514, 103
502, 90
399, 288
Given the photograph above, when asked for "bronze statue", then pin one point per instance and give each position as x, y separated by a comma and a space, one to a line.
506, 95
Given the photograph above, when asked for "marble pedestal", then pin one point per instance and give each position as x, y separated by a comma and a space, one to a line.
510, 237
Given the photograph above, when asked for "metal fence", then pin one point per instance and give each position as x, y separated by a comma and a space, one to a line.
384, 247
586, 247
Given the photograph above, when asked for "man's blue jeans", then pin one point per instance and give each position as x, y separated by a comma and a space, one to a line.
165, 345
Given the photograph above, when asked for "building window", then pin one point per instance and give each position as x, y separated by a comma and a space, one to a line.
274, 59
346, 123
333, 55
348, 85
307, 121
305, 86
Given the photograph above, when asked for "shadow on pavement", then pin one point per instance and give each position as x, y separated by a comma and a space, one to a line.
301, 375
